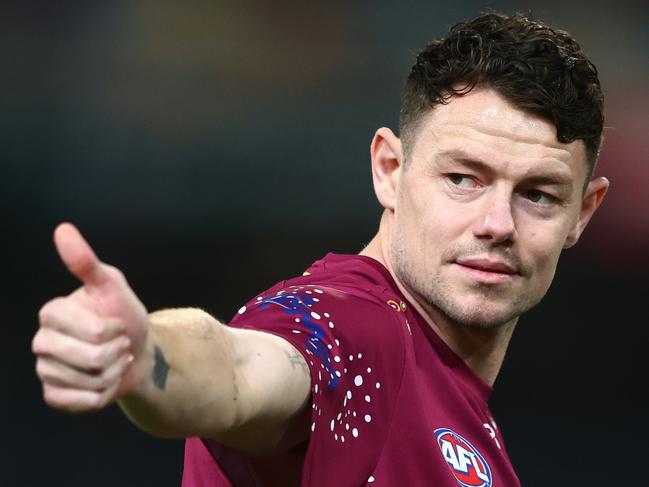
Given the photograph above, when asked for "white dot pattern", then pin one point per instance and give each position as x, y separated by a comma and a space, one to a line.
344, 391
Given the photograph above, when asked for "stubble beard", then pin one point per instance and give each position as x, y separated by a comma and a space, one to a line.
440, 297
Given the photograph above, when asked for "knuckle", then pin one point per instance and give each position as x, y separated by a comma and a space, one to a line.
97, 332
51, 397
36, 344
115, 273
96, 402
116, 325
103, 381
43, 315
40, 343
48, 311
97, 357
41, 370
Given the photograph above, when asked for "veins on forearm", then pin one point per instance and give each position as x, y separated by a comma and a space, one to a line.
235, 387
160, 369
297, 360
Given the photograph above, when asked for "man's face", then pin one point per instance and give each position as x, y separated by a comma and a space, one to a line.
485, 203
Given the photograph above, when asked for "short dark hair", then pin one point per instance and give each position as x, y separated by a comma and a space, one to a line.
536, 68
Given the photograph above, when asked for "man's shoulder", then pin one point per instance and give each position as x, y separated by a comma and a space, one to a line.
353, 279
341, 310
349, 290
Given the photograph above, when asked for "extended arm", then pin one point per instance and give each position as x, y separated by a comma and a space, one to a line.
175, 373
247, 389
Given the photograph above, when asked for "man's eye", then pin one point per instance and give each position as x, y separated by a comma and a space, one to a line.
461, 180
539, 197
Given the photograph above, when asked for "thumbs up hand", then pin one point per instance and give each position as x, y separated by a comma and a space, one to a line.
90, 344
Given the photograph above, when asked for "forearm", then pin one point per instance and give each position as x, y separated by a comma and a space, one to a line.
188, 379
175, 373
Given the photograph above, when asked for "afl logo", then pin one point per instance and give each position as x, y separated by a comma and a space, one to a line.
467, 465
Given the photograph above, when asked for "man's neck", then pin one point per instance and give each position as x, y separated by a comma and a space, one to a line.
482, 349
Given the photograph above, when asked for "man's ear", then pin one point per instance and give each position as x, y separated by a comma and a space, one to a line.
386, 166
593, 197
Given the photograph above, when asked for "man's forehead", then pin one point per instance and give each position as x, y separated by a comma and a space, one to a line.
484, 115
487, 110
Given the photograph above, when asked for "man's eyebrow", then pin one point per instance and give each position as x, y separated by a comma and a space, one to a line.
468, 161
550, 177
544, 176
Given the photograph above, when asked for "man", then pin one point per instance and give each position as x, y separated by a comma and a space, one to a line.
373, 368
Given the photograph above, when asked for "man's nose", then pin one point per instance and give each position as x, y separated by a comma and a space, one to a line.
495, 223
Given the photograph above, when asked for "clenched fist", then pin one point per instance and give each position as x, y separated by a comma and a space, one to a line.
89, 344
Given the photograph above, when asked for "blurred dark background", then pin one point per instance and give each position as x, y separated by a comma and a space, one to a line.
209, 149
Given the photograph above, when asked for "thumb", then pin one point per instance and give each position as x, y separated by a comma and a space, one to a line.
78, 256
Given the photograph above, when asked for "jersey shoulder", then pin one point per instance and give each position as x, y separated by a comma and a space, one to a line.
335, 311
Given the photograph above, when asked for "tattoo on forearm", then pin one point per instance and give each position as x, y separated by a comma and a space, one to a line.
160, 369
296, 359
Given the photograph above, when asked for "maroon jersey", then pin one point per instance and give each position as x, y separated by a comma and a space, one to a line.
391, 404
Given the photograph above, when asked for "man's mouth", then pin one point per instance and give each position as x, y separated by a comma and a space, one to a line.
486, 270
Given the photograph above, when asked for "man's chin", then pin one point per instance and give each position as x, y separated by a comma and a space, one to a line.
483, 322
480, 315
